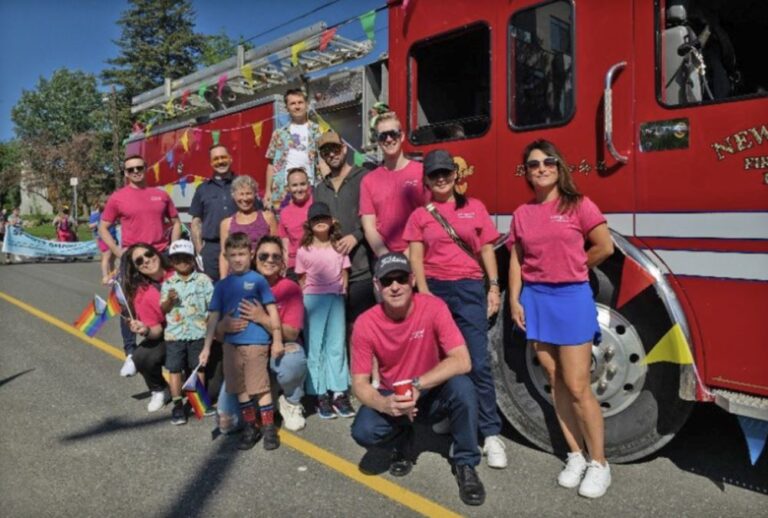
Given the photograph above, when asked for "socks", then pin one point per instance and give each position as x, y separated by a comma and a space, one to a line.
249, 412
176, 400
267, 414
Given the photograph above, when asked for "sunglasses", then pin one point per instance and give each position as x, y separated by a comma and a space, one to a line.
333, 149
139, 261
401, 278
264, 257
137, 169
393, 134
436, 175
535, 164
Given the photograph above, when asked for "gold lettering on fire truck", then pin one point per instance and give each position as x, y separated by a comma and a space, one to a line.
740, 141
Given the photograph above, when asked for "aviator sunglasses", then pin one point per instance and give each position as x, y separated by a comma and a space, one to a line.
263, 257
550, 161
149, 254
401, 278
384, 135
137, 169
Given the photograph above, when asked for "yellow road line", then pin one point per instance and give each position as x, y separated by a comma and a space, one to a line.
382, 486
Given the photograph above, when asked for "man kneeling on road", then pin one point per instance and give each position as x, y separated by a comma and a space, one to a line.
409, 334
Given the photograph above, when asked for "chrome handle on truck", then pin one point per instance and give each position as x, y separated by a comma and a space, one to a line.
608, 111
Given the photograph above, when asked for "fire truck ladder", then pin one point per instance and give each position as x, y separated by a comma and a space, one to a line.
270, 66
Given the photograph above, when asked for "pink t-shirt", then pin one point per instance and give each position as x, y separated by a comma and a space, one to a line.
391, 196
553, 243
443, 258
290, 303
407, 348
292, 219
146, 302
141, 213
323, 266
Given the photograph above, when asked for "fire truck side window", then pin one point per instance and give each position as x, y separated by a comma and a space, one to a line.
711, 50
450, 86
541, 65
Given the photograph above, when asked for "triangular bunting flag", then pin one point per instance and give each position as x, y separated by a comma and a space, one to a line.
215, 135
148, 129
184, 98
169, 189
185, 141
634, 279
201, 91
198, 180
257, 128
247, 72
324, 126
295, 49
359, 159
156, 170
183, 185
326, 37
755, 432
673, 348
368, 20
169, 107
197, 138
169, 157
221, 82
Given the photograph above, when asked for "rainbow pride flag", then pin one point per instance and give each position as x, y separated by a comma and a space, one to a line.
92, 317
113, 304
196, 394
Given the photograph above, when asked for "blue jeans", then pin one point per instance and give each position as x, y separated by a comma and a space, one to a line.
456, 398
468, 303
325, 331
291, 371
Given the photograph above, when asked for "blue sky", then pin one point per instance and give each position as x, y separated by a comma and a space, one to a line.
40, 36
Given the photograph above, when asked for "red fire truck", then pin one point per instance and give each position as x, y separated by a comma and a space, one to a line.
661, 109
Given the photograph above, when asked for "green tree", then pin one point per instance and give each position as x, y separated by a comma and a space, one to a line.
157, 41
218, 47
10, 167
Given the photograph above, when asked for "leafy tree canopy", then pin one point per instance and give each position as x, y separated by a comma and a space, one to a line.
218, 47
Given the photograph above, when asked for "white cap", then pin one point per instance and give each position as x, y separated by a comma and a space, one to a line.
182, 246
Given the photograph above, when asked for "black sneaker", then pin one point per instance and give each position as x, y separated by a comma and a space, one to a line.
342, 406
271, 439
400, 465
178, 415
249, 437
471, 490
324, 407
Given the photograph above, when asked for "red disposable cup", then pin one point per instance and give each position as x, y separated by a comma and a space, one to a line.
403, 388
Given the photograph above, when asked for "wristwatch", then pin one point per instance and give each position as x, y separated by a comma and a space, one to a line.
494, 281
416, 382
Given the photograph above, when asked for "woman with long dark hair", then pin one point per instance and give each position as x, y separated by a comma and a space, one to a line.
143, 275
551, 300
451, 249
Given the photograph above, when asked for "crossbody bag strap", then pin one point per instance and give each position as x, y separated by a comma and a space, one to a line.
452, 232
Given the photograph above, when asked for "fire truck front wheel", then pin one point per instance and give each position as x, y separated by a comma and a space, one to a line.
640, 402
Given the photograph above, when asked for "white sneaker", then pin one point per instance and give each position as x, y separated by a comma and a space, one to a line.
128, 369
596, 481
293, 416
494, 448
442, 427
158, 400
575, 466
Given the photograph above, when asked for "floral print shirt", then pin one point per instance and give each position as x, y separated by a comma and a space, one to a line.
281, 143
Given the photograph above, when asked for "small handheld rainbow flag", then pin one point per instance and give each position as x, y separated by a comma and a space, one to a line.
196, 394
92, 317
113, 304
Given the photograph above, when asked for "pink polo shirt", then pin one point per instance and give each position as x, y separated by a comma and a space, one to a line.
142, 214
291, 226
443, 258
553, 243
407, 348
392, 196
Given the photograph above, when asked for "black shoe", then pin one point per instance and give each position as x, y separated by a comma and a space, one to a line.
178, 415
400, 465
249, 437
271, 439
471, 490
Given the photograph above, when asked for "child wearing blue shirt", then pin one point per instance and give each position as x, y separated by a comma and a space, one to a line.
247, 352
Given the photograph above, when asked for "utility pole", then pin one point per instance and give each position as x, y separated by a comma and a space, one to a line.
115, 138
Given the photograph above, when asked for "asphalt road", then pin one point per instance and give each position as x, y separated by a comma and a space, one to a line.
76, 440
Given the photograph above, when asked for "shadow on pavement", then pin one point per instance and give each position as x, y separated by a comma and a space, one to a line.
711, 444
112, 425
376, 461
11, 378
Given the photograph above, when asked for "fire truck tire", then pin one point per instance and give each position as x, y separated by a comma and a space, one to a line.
640, 403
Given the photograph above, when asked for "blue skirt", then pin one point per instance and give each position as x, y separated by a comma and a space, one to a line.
560, 314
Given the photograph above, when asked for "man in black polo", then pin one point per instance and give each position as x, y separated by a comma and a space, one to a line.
212, 203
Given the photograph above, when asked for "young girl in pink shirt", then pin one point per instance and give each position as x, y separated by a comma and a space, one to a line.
552, 302
323, 275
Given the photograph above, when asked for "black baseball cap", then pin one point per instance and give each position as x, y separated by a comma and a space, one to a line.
438, 160
391, 262
319, 209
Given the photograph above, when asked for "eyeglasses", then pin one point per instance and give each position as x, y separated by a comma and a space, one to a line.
443, 173
331, 149
137, 169
400, 278
550, 161
139, 261
264, 257
393, 134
